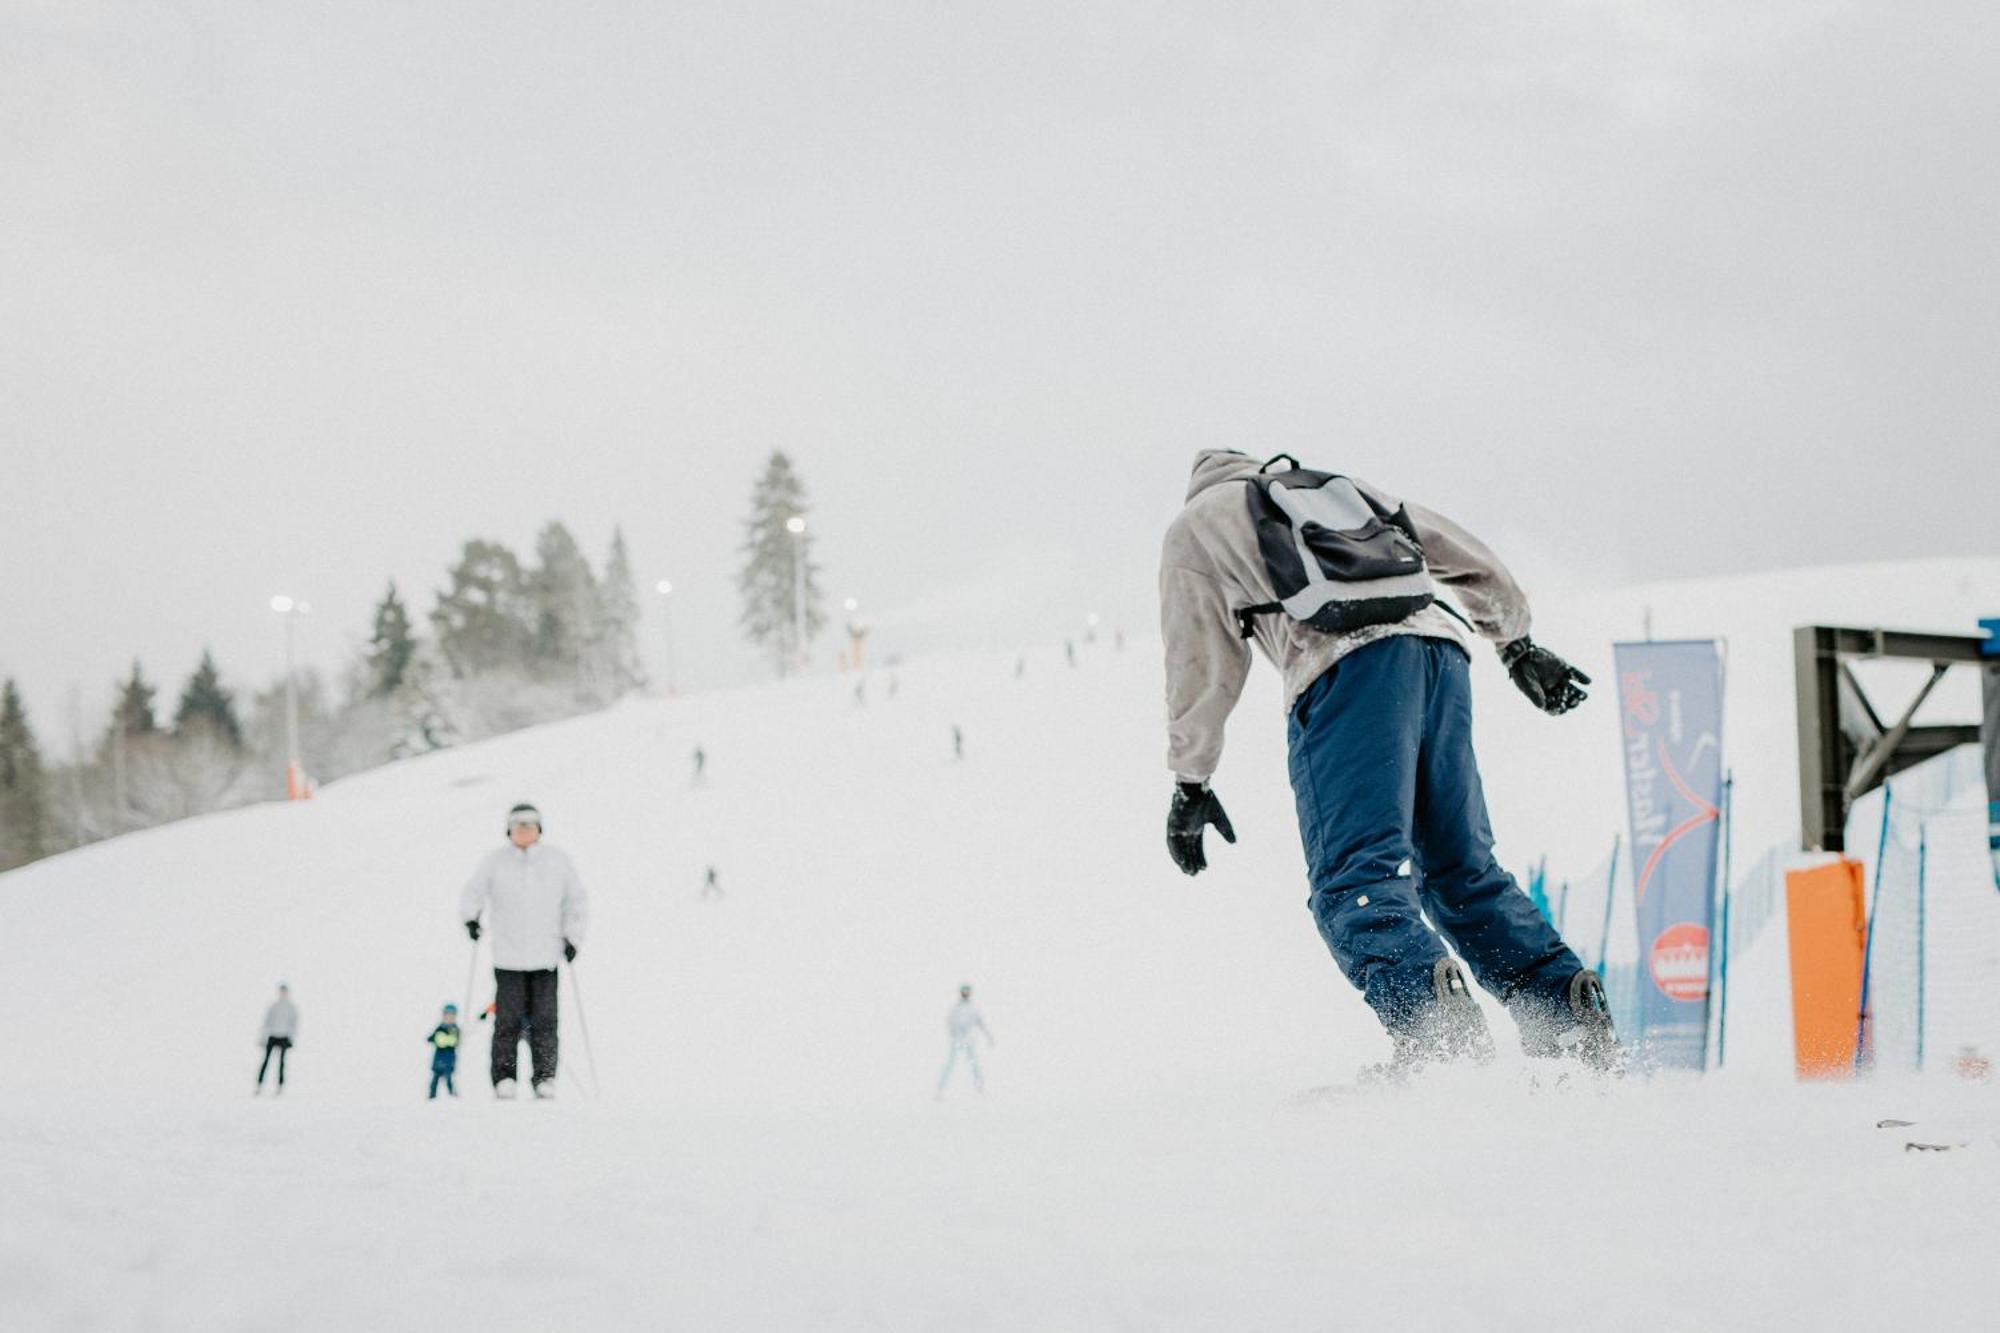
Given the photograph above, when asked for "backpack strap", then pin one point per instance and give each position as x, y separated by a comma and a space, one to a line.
1246, 617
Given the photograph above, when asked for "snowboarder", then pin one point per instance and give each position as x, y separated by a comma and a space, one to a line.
538, 911
709, 887
1380, 728
281, 1030
963, 1023
444, 1052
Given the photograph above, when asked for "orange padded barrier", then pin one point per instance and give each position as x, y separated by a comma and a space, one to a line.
1828, 927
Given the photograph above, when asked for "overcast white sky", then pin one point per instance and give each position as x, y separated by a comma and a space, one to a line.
297, 296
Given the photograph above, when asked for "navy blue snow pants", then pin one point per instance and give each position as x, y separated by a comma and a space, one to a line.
1395, 826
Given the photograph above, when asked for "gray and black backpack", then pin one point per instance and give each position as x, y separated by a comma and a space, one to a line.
1337, 560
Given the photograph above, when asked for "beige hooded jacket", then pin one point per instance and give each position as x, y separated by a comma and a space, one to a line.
1211, 566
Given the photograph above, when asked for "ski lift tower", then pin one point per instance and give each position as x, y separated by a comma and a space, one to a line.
1846, 749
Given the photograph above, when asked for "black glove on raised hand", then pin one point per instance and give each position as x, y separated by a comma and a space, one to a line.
1551, 684
472, 929
1194, 808
569, 952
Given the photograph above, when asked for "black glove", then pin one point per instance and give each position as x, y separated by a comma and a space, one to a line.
1551, 684
472, 929
569, 952
1194, 808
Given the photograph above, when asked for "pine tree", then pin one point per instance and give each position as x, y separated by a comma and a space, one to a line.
204, 703
770, 582
25, 833
618, 615
132, 715
481, 620
562, 593
390, 647
421, 709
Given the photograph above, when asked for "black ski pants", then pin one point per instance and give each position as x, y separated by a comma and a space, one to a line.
280, 1045
525, 999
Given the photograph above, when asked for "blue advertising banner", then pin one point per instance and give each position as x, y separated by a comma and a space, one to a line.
1670, 706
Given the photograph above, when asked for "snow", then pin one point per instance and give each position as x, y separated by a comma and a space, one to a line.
765, 1151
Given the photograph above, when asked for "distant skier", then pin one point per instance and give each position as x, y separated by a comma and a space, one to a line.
957, 742
710, 888
963, 1024
281, 1030
538, 910
700, 765
444, 1051
1020, 667
1389, 800
1069, 650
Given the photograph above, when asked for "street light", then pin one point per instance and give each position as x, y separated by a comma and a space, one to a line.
857, 634
665, 587
295, 777
796, 525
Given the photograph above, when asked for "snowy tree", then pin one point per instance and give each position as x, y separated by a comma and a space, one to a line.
133, 713
770, 582
389, 648
481, 620
618, 616
205, 704
562, 594
25, 832
422, 708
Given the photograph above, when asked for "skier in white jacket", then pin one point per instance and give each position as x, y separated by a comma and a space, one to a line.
963, 1023
536, 912
280, 1032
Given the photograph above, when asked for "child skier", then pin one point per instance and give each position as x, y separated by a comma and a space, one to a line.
444, 1051
962, 1023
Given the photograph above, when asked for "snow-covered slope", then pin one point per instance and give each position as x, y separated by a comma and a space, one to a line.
765, 1152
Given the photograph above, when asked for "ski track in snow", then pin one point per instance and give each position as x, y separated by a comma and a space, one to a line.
766, 1153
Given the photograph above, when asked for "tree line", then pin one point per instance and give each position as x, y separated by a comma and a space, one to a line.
506, 644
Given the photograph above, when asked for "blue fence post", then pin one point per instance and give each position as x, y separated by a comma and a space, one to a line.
1861, 1052
1722, 972
1610, 888
1923, 850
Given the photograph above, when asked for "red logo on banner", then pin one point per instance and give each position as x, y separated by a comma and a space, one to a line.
1679, 962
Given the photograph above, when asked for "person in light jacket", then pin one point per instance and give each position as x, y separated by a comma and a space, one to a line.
1398, 848
536, 912
281, 1029
963, 1024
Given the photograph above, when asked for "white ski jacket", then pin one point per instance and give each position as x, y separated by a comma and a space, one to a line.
964, 1021
532, 901
281, 1020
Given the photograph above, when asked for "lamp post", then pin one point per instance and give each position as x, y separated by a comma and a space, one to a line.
856, 633
295, 778
796, 525
665, 587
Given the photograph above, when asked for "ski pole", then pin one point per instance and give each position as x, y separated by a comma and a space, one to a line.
583, 1026
471, 971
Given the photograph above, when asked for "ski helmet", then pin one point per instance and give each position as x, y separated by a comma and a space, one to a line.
523, 814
